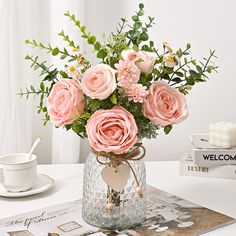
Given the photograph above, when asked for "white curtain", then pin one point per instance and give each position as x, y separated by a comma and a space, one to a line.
19, 121
15, 115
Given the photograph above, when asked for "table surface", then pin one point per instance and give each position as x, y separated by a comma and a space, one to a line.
216, 194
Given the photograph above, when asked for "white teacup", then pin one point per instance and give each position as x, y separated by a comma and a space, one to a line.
18, 172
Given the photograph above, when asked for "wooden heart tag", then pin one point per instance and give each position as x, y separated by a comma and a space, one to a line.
117, 177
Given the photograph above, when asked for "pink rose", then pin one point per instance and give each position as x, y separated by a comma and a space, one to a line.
65, 102
129, 55
165, 105
146, 62
112, 130
99, 81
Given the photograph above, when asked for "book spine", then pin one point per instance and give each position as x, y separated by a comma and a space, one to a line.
189, 168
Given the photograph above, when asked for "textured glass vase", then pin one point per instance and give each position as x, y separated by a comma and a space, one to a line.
130, 209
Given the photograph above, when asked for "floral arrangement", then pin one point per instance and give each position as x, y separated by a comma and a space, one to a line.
135, 90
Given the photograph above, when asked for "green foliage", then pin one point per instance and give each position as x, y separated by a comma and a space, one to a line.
113, 47
91, 39
192, 72
53, 50
138, 32
68, 40
49, 75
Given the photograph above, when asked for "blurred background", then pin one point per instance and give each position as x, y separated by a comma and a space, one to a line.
206, 24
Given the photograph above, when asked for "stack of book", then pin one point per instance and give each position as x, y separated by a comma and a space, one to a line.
205, 160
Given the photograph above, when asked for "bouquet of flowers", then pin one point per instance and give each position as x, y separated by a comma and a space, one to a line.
135, 90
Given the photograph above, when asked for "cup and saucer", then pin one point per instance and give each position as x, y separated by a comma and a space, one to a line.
19, 177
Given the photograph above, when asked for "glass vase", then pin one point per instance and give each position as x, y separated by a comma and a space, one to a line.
129, 209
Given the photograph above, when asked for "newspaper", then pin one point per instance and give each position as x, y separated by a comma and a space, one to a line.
167, 215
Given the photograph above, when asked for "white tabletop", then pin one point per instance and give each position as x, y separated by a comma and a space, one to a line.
216, 194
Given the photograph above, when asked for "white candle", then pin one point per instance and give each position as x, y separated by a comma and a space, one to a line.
222, 134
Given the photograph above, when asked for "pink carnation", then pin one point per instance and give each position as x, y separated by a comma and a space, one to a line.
128, 73
136, 92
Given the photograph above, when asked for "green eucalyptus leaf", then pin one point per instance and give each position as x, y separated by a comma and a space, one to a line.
42, 87
101, 54
199, 68
194, 74
91, 39
176, 79
63, 56
180, 74
138, 24
55, 51
114, 99
63, 74
135, 18
86, 115
32, 88
83, 28
144, 37
141, 6
135, 47
97, 46
167, 129
151, 43
190, 80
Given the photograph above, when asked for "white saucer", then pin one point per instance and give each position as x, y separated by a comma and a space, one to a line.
42, 184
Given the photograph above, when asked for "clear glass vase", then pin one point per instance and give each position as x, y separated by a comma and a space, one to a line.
129, 209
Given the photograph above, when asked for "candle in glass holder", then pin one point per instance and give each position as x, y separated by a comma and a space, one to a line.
222, 134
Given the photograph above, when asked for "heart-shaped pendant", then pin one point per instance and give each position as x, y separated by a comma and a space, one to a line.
117, 177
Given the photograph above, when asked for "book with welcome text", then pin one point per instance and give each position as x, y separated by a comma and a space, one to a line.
203, 154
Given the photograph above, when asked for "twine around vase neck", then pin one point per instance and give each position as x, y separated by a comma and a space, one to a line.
117, 159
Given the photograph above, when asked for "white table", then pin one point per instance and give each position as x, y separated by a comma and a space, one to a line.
216, 194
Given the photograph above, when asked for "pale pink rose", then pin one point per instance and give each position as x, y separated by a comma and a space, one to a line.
99, 82
165, 105
65, 102
112, 130
146, 61
128, 73
170, 60
129, 55
136, 92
